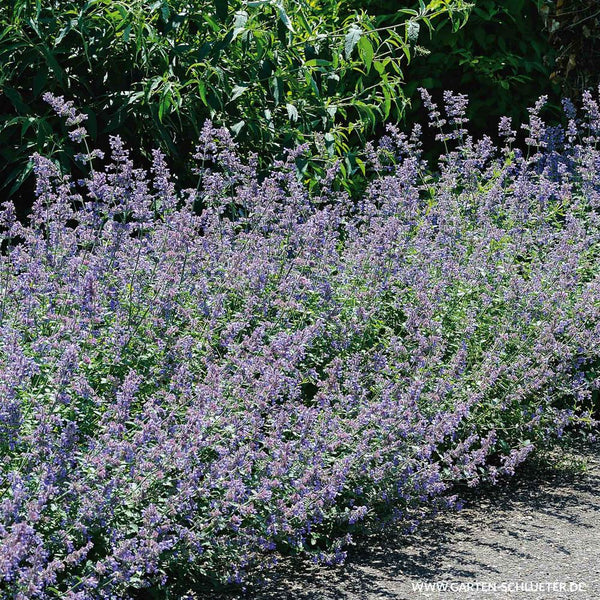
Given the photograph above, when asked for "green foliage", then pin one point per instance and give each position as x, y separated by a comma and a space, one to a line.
502, 58
277, 73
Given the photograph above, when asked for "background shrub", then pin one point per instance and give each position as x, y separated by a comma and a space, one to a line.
502, 58
275, 73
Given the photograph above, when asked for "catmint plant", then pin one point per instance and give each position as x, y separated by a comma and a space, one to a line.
185, 395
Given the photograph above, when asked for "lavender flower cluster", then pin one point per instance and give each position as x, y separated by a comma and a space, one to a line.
183, 394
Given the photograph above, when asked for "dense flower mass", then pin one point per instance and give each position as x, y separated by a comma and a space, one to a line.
184, 392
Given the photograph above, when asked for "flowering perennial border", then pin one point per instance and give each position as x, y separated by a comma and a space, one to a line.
183, 393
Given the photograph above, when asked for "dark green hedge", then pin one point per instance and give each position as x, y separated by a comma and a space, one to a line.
276, 72
502, 58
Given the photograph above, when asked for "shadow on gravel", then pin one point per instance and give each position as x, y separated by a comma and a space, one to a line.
526, 525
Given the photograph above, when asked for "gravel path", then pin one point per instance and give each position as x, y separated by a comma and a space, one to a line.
535, 537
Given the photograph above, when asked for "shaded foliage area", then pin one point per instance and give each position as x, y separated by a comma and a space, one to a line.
277, 74
574, 30
502, 58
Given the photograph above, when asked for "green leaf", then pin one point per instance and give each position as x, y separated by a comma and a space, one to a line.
276, 85
380, 66
27, 122
237, 91
202, 92
351, 39
387, 105
313, 84
237, 127
361, 165
406, 51
23, 175
17, 101
292, 112
63, 32
284, 18
366, 52
214, 25
164, 105
317, 62
366, 112
329, 143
